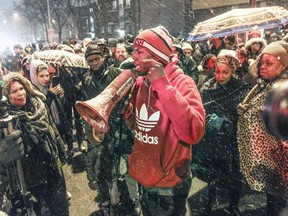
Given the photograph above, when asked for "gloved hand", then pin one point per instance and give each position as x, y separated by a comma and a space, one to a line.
11, 148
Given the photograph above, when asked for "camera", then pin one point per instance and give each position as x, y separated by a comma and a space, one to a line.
276, 111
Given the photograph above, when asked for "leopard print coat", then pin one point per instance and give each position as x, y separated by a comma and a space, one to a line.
263, 158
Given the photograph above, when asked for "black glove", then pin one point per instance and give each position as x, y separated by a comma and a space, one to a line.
11, 148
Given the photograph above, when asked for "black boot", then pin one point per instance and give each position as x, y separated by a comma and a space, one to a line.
234, 187
105, 208
234, 210
212, 200
274, 205
136, 208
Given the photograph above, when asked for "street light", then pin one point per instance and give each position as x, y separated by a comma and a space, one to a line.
15, 15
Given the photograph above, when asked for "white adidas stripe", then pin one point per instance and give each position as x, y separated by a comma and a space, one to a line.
156, 51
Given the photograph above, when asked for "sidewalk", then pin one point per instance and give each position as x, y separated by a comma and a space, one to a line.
251, 203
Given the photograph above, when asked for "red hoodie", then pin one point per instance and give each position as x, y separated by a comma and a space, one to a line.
169, 118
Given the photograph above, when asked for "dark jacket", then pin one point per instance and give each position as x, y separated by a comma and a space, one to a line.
216, 154
43, 143
94, 82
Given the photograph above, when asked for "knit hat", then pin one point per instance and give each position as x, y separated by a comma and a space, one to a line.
112, 42
254, 34
26, 60
93, 49
279, 50
156, 41
87, 41
100, 41
17, 46
186, 45
228, 57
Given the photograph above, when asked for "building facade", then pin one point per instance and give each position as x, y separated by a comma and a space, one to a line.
116, 18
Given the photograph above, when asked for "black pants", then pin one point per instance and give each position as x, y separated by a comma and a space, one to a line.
275, 205
68, 109
105, 172
54, 195
166, 201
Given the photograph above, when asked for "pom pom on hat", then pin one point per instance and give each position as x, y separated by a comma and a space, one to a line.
279, 50
157, 41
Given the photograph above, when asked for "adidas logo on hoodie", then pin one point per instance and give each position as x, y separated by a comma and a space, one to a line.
145, 123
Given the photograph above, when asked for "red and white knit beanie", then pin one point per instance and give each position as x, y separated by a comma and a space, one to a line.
157, 41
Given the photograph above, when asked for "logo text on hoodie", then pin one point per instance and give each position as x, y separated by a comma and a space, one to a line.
145, 123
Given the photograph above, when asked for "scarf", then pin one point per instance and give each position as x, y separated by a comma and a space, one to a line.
34, 121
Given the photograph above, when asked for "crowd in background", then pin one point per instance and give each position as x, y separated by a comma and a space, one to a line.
233, 78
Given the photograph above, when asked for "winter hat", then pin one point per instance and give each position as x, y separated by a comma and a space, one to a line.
93, 49
228, 57
100, 41
186, 45
279, 50
157, 41
112, 42
177, 47
274, 34
87, 41
254, 34
17, 46
205, 60
230, 38
251, 41
26, 60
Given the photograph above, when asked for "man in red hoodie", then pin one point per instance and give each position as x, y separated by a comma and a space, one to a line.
167, 115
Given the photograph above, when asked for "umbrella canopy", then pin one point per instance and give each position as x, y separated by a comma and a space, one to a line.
238, 21
61, 57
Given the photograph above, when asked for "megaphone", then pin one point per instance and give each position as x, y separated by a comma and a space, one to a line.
96, 111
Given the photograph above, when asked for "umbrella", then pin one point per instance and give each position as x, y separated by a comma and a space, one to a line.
239, 21
61, 57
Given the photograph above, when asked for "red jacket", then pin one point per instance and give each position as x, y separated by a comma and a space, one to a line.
168, 120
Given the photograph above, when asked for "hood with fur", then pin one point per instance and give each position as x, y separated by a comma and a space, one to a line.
14, 76
261, 41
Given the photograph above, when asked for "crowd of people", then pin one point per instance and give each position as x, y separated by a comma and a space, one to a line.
195, 110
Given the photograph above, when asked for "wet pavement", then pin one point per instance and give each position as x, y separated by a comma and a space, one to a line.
251, 203
83, 202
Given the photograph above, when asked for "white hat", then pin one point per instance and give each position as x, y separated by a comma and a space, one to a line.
87, 41
186, 45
